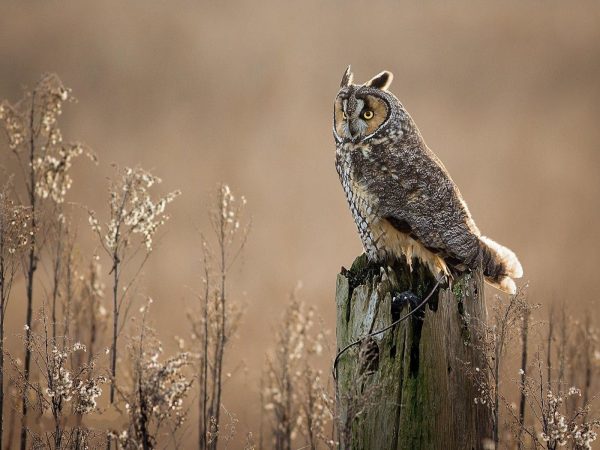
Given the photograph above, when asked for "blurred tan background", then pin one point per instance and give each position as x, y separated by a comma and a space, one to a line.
506, 93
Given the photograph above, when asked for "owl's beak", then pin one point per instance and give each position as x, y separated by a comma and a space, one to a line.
354, 129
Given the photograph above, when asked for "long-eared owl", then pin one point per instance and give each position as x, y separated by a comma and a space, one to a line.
400, 194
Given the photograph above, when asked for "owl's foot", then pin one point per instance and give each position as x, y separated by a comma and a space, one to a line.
401, 299
362, 271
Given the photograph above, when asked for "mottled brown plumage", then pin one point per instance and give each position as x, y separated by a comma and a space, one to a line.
400, 194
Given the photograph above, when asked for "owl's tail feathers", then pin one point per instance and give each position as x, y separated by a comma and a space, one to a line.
500, 265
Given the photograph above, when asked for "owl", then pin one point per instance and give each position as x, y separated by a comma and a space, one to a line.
401, 196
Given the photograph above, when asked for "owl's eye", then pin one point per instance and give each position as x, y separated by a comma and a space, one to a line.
368, 114
344, 116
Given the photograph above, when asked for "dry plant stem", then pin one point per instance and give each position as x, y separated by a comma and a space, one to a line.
56, 276
69, 294
522, 399
116, 271
562, 358
31, 268
2, 313
11, 428
549, 347
588, 359
3, 302
494, 340
31, 126
221, 338
115, 328
291, 389
261, 417
499, 347
218, 317
142, 398
156, 396
203, 397
66, 384
5, 281
13, 239
94, 291
132, 212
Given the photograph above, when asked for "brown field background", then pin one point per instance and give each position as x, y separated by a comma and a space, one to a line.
506, 93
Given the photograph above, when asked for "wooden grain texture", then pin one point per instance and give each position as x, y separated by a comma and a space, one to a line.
406, 388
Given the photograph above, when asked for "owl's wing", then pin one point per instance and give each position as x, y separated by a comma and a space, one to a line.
423, 202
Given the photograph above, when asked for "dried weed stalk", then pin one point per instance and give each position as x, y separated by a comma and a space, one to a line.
155, 399
492, 340
553, 425
134, 219
295, 396
216, 319
90, 317
33, 135
14, 236
64, 390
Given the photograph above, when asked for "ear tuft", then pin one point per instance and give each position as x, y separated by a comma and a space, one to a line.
381, 81
347, 78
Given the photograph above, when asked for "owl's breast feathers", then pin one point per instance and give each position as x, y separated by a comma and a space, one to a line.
367, 180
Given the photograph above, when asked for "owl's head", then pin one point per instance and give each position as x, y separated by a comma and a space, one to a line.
364, 111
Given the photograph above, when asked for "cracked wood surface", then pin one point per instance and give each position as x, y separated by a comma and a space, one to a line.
406, 389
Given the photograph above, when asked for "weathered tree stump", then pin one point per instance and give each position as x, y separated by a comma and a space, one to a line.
407, 387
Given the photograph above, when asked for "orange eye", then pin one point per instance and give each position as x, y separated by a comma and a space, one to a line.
368, 114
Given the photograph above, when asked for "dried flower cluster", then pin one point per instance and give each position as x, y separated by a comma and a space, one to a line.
34, 137
64, 385
214, 322
13, 125
293, 394
89, 308
65, 389
14, 237
558, 428
31, 127
156, 396
14, 226
54, 180
133, 211
492, 339
227, 216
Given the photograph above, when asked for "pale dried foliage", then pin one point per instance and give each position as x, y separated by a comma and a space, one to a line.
155, 399
553, 413
135, 215
34, 137
14, 237
553, 424
295, 394
33, 134
62, 388
14, 231
493, 338
90, 316
216, 318
133, 211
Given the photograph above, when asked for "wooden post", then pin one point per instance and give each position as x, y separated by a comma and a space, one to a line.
406, 388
